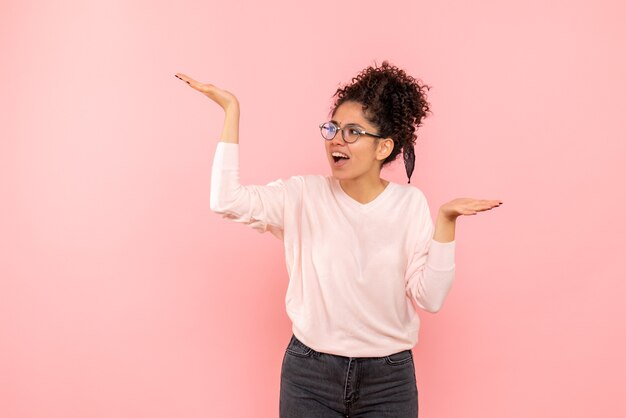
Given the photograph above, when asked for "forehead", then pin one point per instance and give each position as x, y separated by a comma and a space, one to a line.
350, 113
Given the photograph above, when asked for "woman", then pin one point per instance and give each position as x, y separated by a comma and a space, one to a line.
361, 251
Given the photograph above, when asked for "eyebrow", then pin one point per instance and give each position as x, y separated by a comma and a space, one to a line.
347, 124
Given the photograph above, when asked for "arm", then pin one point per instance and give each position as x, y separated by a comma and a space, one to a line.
230, 131
260, 207
431, 269
225, 99
444, 232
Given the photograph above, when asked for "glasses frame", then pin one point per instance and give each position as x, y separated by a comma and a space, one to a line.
343, 135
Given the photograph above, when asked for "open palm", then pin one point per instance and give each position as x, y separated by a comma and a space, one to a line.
222, 97
467, 206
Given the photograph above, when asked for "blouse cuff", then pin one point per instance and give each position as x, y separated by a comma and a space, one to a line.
441, 255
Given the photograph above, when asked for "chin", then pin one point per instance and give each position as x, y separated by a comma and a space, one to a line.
336, 172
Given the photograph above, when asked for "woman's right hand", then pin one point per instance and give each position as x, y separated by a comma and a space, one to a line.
224, 98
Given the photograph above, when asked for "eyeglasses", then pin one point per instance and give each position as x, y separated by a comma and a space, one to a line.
349, 133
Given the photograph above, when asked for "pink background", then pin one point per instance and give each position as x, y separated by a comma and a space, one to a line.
122, 295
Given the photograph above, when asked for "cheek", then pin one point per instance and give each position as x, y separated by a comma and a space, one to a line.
363, 154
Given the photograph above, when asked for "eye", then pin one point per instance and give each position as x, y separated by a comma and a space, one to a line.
354, 131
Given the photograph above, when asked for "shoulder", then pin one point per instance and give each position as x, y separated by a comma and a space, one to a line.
302, 182
413, 200
410, 192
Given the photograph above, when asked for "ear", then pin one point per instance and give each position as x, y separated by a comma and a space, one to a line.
384, 148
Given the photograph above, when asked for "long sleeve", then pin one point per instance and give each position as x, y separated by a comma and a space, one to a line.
260, 207
431, 269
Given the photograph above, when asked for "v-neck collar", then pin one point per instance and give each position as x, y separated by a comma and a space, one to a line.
356, 204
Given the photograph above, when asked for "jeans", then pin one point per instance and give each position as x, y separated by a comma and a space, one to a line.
321, 385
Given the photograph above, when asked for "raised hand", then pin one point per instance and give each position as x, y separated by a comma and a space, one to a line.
467, 206
224, 98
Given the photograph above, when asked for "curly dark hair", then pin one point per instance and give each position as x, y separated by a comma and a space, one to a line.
394, 102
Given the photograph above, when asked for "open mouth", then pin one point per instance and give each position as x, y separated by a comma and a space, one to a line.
337, 156
339, 162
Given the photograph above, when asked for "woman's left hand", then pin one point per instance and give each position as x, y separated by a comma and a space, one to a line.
467, 206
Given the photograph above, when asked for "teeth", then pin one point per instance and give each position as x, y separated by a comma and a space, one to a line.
339, 154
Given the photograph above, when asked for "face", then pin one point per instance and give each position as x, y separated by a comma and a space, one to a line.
365, 155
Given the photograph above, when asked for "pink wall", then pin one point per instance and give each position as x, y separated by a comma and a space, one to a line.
122, 295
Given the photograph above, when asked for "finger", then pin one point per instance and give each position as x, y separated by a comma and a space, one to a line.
480, 205
193, 83
488, 204
181, 78
487, 201
184, 77
203, 88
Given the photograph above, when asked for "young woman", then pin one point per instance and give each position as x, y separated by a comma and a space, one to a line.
362, 252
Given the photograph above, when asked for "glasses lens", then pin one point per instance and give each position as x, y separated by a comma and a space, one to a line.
328, 130
350, 133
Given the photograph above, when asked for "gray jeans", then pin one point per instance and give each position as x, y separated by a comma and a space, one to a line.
322, 385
